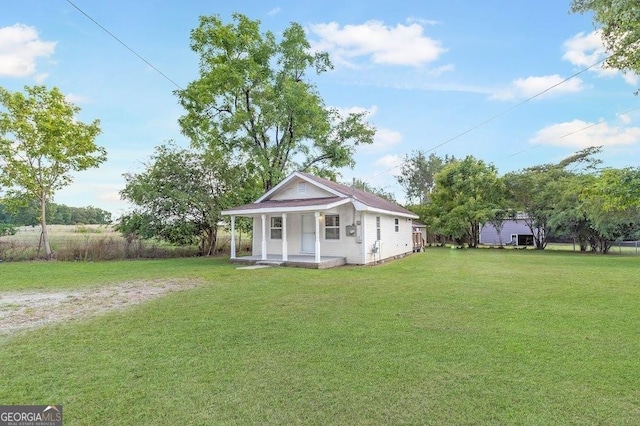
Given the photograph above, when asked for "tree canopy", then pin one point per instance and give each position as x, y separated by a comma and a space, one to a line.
570, 200
417, 176
467, 193
255, 99
618, 20
41, 143
179, 196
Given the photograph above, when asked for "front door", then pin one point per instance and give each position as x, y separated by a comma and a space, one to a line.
308, 243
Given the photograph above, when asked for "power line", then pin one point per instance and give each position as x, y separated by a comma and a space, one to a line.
125, 45
451, 139
508, 110
572, 133
500, 114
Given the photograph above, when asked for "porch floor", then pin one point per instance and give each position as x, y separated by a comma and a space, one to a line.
299, 261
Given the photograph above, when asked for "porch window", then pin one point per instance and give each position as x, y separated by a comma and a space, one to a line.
276, 228
397, 224
332, 227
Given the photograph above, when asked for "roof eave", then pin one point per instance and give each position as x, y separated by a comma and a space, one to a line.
288, 179
271, 210
363, 207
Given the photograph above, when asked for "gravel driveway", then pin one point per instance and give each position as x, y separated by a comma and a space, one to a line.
26, 310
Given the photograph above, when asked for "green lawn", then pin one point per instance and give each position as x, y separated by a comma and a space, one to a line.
442, 337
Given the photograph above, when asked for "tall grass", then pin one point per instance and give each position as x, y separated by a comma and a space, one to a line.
95, 243
441, 337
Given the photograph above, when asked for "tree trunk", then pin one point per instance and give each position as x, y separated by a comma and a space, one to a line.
43, 224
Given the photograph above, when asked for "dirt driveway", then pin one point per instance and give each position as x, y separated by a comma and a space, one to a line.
26, 310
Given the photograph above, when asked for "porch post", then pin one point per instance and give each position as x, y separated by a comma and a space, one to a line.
285, 254
317, 216
264, 236
365, 241
233, 237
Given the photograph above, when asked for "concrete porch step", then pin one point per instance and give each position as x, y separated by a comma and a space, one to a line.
269, 263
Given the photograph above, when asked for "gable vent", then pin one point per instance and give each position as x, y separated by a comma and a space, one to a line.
302, 187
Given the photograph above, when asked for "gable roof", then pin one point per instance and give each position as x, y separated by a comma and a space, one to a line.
341, 194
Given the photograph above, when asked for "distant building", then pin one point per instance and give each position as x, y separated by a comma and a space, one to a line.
514, 232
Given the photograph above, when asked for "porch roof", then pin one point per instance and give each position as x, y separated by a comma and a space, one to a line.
285, 206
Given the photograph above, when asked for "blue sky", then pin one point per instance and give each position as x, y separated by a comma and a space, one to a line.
429, 73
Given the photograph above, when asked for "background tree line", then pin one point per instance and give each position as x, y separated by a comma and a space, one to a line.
574, 199
56, 214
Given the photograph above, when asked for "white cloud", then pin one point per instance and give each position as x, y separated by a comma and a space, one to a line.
424, 22
371, 111
438, 71
382, 44
387, 163
40, 78
581, 134
624, 118
523, 88
274, 11
585, 50
76, 99
20, 47
384, 140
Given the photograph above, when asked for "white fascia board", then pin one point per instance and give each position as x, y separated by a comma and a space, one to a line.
275, 188
363, 207
272, 210
289, 178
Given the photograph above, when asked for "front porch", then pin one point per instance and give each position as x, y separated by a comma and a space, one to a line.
298, 261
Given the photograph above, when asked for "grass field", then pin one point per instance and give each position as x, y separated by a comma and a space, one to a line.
441, 337
97, 243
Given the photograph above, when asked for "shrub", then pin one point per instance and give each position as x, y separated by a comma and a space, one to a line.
7, 229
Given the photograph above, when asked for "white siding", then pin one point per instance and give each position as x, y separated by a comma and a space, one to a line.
347, 246
292, 191
392, 243
354, 248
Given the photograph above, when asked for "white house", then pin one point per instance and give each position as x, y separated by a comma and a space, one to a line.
310, 221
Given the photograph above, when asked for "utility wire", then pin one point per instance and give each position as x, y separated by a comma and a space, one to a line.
572, 133
508, 110
125, 45
451, 139
500, 114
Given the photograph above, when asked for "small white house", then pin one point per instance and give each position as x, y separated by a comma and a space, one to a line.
314, 222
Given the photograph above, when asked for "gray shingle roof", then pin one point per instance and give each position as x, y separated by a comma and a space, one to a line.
367, 198
346, 192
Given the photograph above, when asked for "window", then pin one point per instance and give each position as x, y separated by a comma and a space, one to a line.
302, 187
378, 228
332, 227
397, 223
276, 228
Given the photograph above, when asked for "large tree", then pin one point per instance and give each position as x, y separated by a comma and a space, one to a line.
41, 143
255, 99
467, 194
619, 21
179, 196
417, 176
612, 205
538, 191
569, 218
